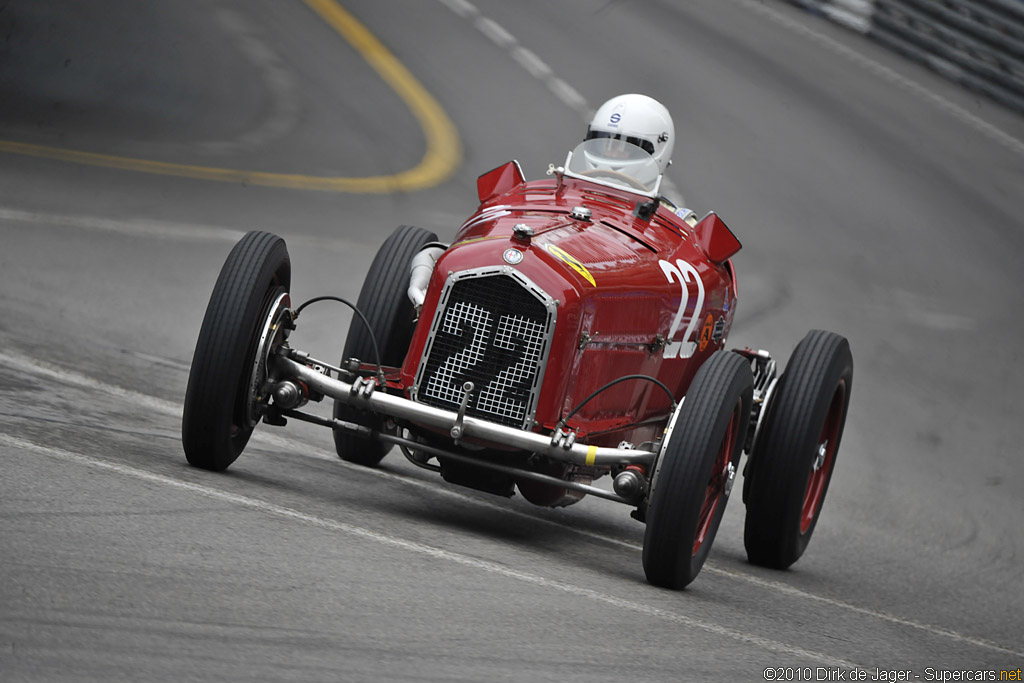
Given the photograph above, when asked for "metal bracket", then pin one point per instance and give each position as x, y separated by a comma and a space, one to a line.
457, 428
730, 479
563, 438
765, 380
362, 389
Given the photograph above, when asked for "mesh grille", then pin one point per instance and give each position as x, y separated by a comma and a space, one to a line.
493, 333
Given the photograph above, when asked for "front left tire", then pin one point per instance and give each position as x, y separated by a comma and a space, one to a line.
224, 402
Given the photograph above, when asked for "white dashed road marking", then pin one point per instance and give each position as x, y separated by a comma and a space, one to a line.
540, 70
523, 56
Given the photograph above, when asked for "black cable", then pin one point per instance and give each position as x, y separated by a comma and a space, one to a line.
425, 465
373, 337
587, 400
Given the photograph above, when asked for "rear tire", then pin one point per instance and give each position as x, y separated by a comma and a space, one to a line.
221, 403
793, 460
694, 475
386, 305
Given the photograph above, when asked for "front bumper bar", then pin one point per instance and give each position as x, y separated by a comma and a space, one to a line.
401, 408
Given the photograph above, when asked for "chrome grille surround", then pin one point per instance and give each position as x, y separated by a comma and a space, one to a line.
493, 327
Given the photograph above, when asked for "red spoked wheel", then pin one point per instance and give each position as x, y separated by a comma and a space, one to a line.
723, 473
696, 467
794, 458
821, 469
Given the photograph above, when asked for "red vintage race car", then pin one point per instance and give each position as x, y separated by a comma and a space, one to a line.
574, 329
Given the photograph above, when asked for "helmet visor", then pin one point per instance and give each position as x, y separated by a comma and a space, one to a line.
642, 143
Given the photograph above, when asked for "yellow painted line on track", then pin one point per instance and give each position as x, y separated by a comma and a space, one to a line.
440, 159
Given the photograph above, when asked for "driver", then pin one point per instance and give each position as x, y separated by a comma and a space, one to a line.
630, 121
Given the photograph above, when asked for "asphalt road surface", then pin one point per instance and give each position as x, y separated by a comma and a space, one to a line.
138, 141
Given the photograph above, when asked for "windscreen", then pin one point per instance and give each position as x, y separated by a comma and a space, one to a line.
615, 162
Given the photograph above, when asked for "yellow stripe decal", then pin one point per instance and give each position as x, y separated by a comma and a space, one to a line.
591, 455
439, 161
572, 262
471, 240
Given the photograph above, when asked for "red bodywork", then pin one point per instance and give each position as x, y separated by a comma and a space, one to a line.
620, 281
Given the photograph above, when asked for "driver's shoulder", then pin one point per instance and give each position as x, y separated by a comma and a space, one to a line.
686, 215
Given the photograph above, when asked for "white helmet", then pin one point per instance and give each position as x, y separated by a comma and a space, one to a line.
638, 120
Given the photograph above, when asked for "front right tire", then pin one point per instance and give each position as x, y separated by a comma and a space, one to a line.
385, 303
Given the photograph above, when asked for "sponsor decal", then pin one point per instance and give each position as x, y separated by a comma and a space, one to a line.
512, 256
718, 334
616, 117
572, 262
706, 332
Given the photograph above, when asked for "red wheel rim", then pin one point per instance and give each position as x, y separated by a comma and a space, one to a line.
716, 484
824, 458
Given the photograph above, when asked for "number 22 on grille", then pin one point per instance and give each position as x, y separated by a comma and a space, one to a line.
513, 333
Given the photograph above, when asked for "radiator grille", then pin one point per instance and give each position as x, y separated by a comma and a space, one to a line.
492, 330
